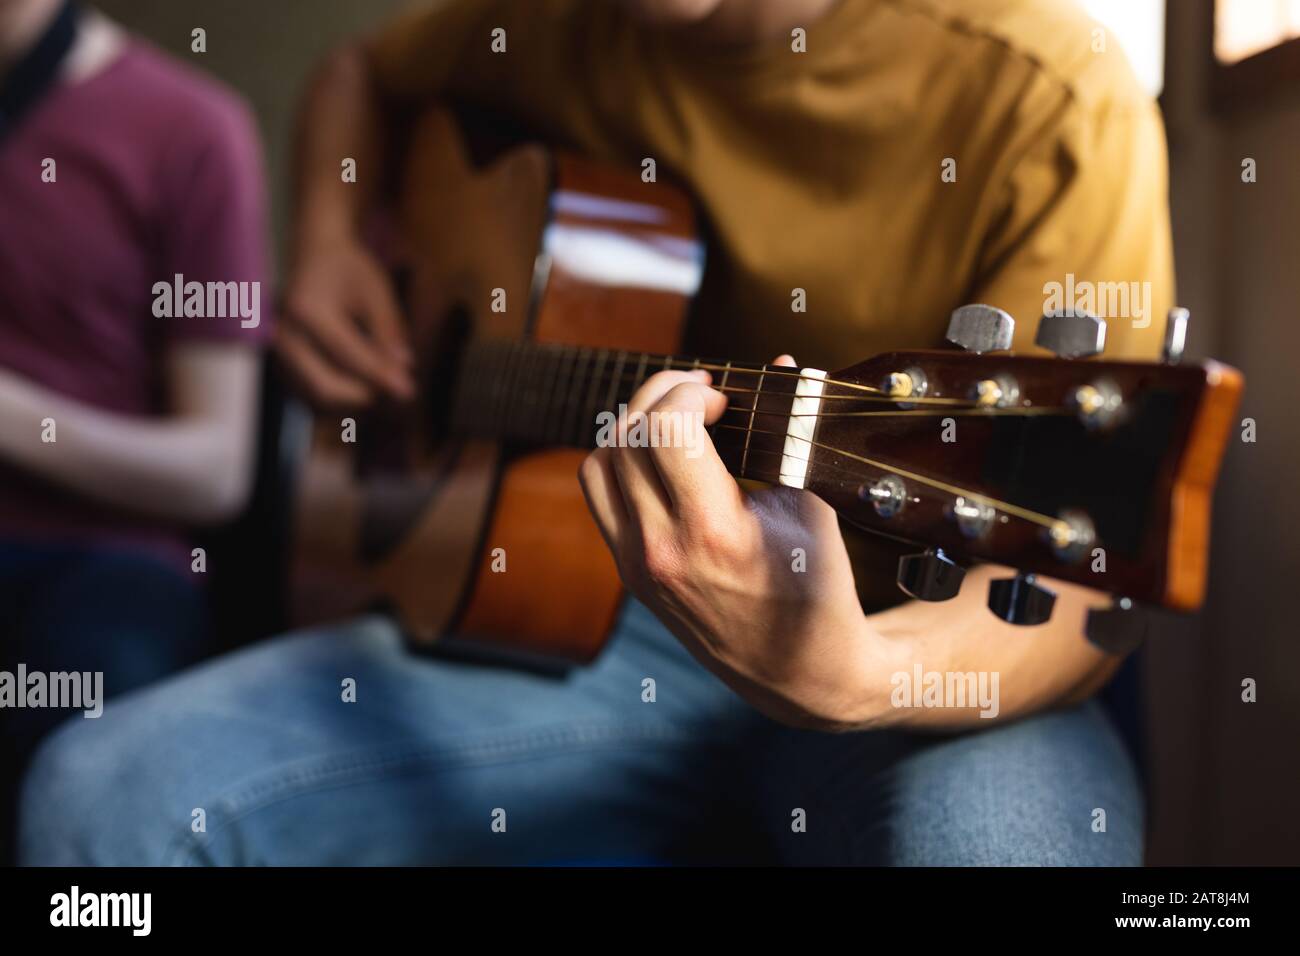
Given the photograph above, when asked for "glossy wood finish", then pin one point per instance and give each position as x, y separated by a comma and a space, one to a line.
562, 589
1193, 488
1144, 482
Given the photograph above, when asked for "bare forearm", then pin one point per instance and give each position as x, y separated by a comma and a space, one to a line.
1016, 670
339, 119
186, 470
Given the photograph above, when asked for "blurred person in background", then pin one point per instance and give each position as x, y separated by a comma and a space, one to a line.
120, 431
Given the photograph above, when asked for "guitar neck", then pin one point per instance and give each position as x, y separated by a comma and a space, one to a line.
543, 394
1028, 461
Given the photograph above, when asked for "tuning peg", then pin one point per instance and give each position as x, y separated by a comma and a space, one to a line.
981, 328
1175, 335
1119, 628
1021, 600
1071, 334
930, 576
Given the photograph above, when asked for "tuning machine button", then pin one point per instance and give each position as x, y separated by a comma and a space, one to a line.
1175, 335
974, 517
930, 576
906, 384
887, 495
1071, 535
1071, 334
1099, 403
1119, 628
1021, 600
981, 328
1000, 392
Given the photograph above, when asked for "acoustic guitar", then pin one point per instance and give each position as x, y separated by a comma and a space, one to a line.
543, 289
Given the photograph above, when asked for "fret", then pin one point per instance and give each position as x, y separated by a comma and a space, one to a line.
474, 413
585, 428
550, 394
750, 435
723, 437
526, 395
550, 366
566, 373
590, 384
614, 382
568, 407
505, 386
639, 377
554, 383
758, 393
519, 382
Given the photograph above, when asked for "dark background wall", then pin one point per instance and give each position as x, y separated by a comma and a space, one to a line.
1224, 775
1226, 782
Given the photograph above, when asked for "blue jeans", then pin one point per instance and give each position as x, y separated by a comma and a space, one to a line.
129, 616
450, 762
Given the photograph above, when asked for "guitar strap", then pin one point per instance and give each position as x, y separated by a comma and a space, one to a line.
29, 79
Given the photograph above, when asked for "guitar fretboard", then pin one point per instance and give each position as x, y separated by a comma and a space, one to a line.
542, 394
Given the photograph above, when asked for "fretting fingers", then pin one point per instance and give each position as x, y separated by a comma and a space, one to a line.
604, 499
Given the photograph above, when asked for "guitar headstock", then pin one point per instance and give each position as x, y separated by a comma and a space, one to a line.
1090, 471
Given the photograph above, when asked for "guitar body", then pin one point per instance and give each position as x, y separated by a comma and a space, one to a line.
472, 538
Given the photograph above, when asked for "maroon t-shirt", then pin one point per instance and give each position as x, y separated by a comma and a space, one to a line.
157, 172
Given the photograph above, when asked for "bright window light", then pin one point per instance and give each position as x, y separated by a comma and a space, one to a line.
1139, 26
1243, 28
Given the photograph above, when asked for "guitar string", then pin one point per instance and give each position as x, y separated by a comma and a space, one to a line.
754, 410
962, 402
854, 476
859, 478
968, 409
974, 412
1026, 514
955, 404
956, 490
775, 371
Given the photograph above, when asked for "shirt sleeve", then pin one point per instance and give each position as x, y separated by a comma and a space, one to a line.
1084, 223
215, 226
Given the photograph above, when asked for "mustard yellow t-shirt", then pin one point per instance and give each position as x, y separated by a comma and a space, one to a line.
917, 155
